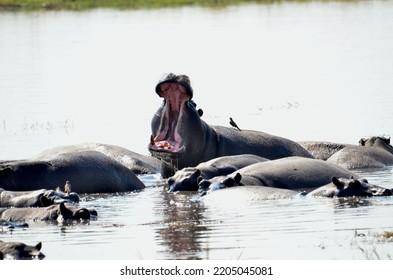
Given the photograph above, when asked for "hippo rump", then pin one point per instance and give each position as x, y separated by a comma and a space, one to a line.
180, 138
323, 150
38, 198
296, 173
374, 152
137, 163
187, 178
88, 171
343, 187
58, 212
20, 251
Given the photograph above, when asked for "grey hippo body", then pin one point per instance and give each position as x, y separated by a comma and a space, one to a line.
338, 187
187, 178
323, 150
20, 251
296, 173
58, 212
38, 198
88, 172
137, 163
374, 152
182, 139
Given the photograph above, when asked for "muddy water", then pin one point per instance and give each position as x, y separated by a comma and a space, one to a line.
314, 71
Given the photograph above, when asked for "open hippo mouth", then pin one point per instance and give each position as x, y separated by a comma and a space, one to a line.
168, 143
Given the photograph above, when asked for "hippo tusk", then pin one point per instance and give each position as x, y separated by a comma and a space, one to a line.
152, 140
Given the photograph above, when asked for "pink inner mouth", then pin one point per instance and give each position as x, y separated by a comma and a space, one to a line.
168, 138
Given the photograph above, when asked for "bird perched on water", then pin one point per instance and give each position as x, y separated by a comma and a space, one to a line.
232, 123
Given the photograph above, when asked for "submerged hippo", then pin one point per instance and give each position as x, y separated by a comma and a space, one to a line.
296, 173
38, 198
374, 152
182, 139
137, 163
187, 178
342, 187
20, 251
59, 212
88, 171
322, 150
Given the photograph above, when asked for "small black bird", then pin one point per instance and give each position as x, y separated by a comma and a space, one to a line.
232, 123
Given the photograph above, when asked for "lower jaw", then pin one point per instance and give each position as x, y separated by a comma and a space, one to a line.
167, 155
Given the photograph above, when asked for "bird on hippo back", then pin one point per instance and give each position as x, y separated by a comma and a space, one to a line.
180, 138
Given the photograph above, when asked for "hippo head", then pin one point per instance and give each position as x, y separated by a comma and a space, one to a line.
177, 123
341, 187
72, 213
219, 182
185, 179
20, 251
377, 141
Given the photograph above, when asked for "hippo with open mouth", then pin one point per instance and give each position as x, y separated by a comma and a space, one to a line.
180, 138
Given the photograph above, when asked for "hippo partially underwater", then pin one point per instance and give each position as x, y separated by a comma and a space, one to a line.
338, 187
374, 152
88, 171
58, 212
187, 178
38, 198
182, 139
295, 173
20, 251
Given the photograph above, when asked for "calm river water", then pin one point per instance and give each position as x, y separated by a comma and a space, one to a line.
304, 71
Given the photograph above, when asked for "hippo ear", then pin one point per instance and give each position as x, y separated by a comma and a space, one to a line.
200, 112
63, 209
238, 178
38, 246
200, 178
386, 140
337, 182
362, 141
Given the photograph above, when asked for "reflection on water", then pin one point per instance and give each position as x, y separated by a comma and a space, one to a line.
314, 71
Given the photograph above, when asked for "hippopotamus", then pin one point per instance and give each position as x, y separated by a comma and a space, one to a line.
20, 251
296, 173
374, 152
323, 150
180, 138
88, 172
137, 163
57, 212
187, 178
343, 187
38, 198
